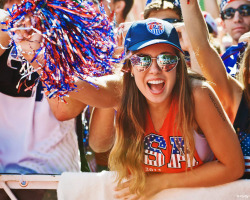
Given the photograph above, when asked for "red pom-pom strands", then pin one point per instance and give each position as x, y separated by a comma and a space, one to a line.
77, 40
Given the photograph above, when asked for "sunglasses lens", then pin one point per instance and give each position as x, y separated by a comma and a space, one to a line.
229, 13
167, 62
244, 10
172, 20
141, 63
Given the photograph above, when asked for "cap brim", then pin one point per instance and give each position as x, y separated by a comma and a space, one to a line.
144, 44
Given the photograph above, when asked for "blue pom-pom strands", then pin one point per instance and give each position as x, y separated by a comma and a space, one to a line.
78, 40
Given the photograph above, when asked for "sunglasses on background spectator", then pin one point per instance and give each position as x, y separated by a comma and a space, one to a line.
172, 20
244, 10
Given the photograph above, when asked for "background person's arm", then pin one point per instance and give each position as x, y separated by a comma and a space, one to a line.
102, 129
4, 37
212, 7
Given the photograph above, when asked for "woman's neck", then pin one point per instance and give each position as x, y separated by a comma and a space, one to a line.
158, 112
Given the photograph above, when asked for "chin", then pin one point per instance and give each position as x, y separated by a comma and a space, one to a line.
157, 99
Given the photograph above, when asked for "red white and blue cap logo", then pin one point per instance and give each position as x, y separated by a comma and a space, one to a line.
155, 28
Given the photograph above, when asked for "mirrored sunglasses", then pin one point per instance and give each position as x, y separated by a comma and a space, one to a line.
244, 10
166, 62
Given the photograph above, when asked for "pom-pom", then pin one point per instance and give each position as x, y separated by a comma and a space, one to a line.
78, 40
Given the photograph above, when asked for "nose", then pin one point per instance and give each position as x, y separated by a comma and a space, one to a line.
237, 17
154, 69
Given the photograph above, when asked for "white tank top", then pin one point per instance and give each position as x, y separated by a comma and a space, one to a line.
31, 137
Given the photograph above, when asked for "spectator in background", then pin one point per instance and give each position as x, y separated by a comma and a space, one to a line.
166, 9
117, 8
235, 15
37, 134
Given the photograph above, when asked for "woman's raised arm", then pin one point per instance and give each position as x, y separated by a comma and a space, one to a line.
213, 69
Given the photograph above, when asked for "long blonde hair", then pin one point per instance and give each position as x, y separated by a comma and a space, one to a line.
127, 155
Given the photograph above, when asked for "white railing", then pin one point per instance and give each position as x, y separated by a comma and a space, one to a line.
100, 186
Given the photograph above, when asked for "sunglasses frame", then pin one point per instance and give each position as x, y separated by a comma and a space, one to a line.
151, 59
239, 9
172, 20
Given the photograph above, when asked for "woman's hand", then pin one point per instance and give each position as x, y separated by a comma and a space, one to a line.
29, 39
183, 37
154, 184
121, 32
27, 35
123, 192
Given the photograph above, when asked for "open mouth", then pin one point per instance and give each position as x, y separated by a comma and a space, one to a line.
156, 86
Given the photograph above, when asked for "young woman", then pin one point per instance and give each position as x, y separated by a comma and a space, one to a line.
234, 95
168, 121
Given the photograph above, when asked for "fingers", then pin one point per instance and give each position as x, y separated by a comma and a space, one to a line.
245, 37
179, 26
125, 194
121, 193
32, 44
123, 186
120, 48
23, 29
120, 39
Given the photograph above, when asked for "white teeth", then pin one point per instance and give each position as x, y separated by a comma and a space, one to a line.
156, 82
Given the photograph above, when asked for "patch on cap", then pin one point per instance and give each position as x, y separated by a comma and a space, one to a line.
155, 28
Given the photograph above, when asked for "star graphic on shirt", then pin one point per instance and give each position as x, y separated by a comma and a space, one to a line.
233, 70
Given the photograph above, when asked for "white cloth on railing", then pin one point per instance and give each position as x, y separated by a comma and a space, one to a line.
100, 186
237, 190
86, 186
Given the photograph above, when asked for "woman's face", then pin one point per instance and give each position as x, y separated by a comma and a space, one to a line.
154, 83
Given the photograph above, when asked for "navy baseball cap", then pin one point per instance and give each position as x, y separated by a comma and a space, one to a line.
151, 31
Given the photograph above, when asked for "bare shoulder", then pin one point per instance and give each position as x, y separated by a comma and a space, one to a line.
202, 92
206, 101
200, 86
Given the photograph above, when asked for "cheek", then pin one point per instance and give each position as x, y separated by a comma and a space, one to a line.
247, 20
172, 79
138, 80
